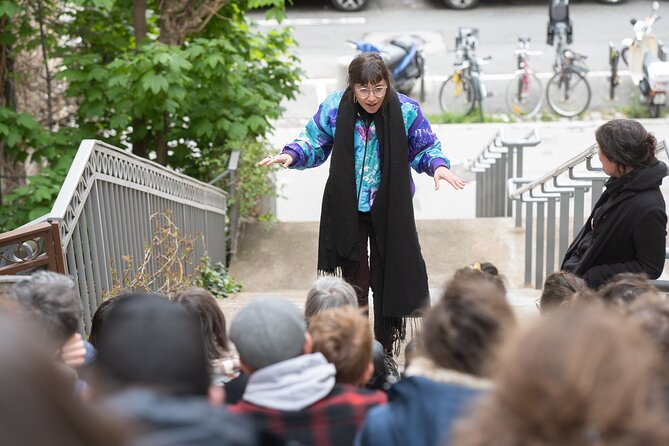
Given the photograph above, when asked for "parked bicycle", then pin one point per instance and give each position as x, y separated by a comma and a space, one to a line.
568, 92
464, 89
524, 94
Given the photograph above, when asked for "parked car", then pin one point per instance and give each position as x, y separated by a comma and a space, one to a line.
469, 4
349, 5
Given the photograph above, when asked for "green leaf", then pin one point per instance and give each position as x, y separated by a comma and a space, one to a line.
38, 212
214, 60
27, 121
203, 128
9, 8
154, 82
12, 139
118, 121
163, 58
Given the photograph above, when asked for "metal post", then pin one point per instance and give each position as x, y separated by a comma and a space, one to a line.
234, 213
597, 189
550, 236
519, 212
528, 242
479, 194
579, 204
539, 270
565, 199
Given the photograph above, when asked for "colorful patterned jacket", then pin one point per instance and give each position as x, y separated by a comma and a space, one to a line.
314, 144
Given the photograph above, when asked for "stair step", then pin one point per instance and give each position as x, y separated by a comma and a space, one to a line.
282, 256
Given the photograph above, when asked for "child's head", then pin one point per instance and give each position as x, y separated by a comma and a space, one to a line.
559, 287
344, 337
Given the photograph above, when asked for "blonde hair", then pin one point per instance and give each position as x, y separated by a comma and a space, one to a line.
344, 337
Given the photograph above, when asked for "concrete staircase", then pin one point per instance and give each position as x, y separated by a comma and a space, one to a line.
280, 258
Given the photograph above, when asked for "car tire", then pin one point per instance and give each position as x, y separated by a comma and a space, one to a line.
461, 4
349, 5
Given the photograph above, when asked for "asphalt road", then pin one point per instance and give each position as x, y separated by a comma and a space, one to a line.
322, 34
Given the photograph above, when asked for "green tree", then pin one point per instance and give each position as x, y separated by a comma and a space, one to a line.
180, 81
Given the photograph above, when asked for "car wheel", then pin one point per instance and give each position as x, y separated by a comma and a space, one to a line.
461, 4
349, 5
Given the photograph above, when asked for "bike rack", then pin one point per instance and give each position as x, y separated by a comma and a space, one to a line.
500, 160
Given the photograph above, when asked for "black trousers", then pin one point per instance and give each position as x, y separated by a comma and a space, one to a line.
368, 275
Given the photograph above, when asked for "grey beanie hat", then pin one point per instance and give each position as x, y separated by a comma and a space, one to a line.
268, 330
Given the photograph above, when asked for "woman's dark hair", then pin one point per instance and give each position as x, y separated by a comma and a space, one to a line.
626, 143
558, 288
202, 304
625, 288
100, 316
462, 331
369, 68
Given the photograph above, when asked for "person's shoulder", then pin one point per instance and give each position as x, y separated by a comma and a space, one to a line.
334, 98
406, 101
359, 394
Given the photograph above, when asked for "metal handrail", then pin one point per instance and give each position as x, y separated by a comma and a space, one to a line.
568, 165
532, 139
104, 210
499, 160
552, 224
235, 220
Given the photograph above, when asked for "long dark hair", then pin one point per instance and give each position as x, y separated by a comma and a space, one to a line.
369, 68
202, 304
627, 143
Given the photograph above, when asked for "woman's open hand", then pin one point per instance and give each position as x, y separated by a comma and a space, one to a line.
443, 173
283, 158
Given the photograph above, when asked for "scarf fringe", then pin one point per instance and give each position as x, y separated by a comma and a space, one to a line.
402, 328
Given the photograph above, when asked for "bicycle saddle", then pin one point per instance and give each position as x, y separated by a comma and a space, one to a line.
571, 54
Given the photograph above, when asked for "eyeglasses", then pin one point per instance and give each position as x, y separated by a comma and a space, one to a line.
379, 91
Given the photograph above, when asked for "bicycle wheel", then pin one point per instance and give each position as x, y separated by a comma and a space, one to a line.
568, 93
457, 95
524, 95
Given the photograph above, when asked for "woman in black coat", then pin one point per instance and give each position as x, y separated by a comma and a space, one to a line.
626, 231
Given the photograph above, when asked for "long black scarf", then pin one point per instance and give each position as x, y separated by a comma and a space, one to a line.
402, 288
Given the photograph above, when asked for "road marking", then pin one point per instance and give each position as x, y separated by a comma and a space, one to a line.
314, 22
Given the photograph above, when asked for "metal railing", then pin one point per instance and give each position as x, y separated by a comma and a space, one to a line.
103, 212
234, 220
26, 250
500, 160
555, 208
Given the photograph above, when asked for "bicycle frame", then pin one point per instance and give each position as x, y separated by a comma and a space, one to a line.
560, 47
464, 86
614, 79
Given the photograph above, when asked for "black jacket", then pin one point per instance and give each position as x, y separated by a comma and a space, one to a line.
626, 231
165, 420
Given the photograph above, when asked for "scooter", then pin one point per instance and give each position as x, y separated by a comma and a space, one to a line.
405, 60
647, 70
